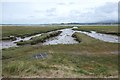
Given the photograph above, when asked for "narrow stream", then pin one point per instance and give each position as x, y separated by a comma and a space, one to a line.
64, 38
9, 43
26, 38
103, 37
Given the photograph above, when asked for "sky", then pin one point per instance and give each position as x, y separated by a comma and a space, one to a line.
57, 11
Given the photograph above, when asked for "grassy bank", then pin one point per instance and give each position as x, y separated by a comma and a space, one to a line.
76, 36
39, 39
25, 31
90, 58
101, 29
84, 39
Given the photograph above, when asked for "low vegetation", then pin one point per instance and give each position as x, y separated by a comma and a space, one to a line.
9, 38
41, 38
90, 58
76, 37
25, 31
100, 29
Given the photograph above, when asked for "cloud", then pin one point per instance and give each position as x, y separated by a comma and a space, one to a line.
52, 11
107, 8
61, 4
107, 11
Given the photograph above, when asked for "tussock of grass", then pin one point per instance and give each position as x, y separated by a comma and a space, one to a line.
76, 37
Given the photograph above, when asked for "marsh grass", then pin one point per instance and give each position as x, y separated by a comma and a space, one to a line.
76, 64
100, 29
78, 60
25, 31
77, 38
9, 38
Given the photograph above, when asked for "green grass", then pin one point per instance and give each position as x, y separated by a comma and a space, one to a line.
24, 31
76, 36
76, 64
83, 38
90, 58
101, 29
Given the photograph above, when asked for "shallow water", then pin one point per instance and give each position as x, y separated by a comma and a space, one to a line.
40, 56
9, 43
64, 38
26, 38
103, 37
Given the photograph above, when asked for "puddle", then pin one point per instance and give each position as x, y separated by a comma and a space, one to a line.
40, 56
64, 38
103, 37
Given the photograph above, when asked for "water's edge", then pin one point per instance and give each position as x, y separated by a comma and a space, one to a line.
64, 38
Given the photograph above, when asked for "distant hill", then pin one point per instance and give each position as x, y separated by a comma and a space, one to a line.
106, 22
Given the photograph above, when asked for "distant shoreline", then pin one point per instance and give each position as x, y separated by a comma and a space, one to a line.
82, 24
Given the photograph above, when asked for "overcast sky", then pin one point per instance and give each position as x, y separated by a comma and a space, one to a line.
57, 11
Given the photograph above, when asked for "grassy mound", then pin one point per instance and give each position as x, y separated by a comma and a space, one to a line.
40, 39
